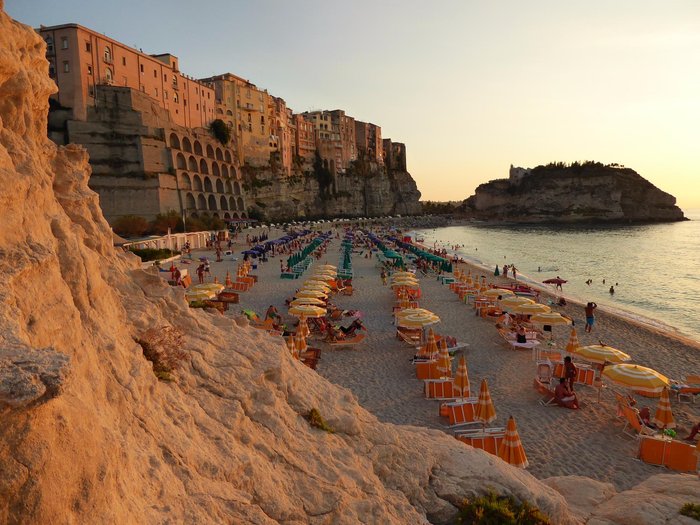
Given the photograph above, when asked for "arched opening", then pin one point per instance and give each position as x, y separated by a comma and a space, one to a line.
244, 216
215, 169
192, 164
227, 156
235, 216
180, 162
201, 202
190, 203
108, 55
234, 173
229, 112
197, 183
109, 76
174, 141
239, 203
232, 203
185, 181
229, 188
207, 185
212, 202
215, 215
224, 171
219, 186
227, 215
197, 148
186, 145
203, 167
219, 154
236, 188
210, 151
224, 204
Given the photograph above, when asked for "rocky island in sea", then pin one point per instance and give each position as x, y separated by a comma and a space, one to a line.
579, 192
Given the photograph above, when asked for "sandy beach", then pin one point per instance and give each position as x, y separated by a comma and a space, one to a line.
587, 442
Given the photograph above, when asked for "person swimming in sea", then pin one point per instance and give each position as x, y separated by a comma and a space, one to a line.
612, 290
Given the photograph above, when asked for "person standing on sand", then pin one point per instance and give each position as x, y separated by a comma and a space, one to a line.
590, 316
505, 271
514, 270
570, 372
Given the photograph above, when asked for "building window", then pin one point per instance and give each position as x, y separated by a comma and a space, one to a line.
165, 95
155, 74
89, 70
123, 61
175, 99
165, 78
196, 107
64, 42
52, 68
108, 55
141, 67
156, 92
88, 47
49, 44
66, 66
184, 102
108, 75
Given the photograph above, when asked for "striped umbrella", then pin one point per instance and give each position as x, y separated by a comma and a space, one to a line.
228, 281
512, 302
311, 293
444, 363
300, 342
461, 382
307, 300
291, 346
531, 309
637, 378
495, 292
551, 318
303, 326
413, 311
511, 450
417, 320
573, 344
485, 411
663, 417
307, 310
430, 349
601, 354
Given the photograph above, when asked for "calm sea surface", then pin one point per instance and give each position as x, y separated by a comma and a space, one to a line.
655, 269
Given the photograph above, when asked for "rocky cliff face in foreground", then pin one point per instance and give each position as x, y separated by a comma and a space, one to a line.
580, 192
89, 435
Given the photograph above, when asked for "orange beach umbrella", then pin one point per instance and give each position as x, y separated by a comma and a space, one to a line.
511, 450
485, 411
573, 343
663, 417
291, 346
444, 363
430, 349
300, 342
461, 382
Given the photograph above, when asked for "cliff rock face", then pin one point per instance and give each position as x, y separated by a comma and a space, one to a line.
588, 192
89, 435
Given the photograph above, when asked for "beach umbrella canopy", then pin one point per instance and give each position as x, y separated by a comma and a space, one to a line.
201, 295
601, 354
405, 284
636, 377
511, 302
412, 311
485, 411
307, 300
311, 293
663, 417
572, 345
495, 292
461, 382
511, 449
326, 267
316, 285
555, 280
403, 274
417, 320
531, 309
444, 363
318, 279
430, 349
307, 310
550, 318
212, 287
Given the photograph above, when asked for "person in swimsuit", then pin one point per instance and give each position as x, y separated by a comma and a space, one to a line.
590, 316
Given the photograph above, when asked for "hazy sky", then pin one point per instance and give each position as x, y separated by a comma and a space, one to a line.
470, 87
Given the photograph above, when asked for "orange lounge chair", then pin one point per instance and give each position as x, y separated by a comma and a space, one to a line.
690, 389
488, 439
584, 373
427, 370
548, 397
634, 423
681, 457
462, 411
412, 336
653, 450
440, 389
664, 452
357, 338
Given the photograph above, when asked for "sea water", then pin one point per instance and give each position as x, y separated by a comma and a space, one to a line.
654, 268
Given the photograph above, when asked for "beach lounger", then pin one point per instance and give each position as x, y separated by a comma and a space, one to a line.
358, 338
585, 375
653, 450
665, 452
689, 390
440, 389
548, 398
681, 457
635, 424
518, 346
409, 335
462, 411
488, 439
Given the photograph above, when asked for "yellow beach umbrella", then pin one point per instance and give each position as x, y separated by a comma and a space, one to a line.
602, 354
291, 346
201, 295
413, 311
511, 302
430, 349
318, 294
550, 318
318, 279
637, 378
326, 267
315, 285
307, 310
405, 284
444, 363
485, 411
417, 320
572, 345
495, 292
663, 417
531, 309
213, 287
511, 449
307, 300
461, 382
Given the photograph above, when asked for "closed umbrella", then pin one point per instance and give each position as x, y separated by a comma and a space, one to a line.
430, 349
291, 346
572, 345
485, 411
444, 363
663, 417
601, 354
637, 378
315, 285
461, 382
303, 326
300, 343
511, 449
